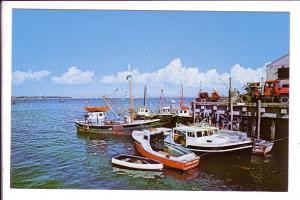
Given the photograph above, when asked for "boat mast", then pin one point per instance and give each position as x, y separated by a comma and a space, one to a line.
181, 95
161, 99
231, 105
129, 78
145, 94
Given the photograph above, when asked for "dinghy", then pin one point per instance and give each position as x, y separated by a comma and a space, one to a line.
136, 162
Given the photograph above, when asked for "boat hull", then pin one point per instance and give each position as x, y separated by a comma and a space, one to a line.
151, 165
239, 157
167, 162
114, 129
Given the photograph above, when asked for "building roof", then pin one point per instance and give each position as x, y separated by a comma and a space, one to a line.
283, 61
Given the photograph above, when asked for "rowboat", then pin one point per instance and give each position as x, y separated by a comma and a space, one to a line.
136, 162
153, 144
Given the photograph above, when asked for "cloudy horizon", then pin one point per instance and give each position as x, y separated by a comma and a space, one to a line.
86, 53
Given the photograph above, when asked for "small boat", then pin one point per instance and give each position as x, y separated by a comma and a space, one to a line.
61, 100
153, 144
262, 147
143, 112
136, 162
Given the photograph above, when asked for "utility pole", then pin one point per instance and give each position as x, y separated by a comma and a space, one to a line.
231, 105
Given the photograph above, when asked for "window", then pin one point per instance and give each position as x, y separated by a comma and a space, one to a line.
199, 134
204, 133
146, 137
191, 134
146, 110
100, 114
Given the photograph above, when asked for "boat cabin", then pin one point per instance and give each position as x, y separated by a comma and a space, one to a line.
95, 117
183, 113
157, 134
143, 111
186, 135
165, 111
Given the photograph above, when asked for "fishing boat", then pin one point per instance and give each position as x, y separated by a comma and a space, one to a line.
136, 162
143, 112
153, 144
209, 141
166, 112
182, 115
96, 121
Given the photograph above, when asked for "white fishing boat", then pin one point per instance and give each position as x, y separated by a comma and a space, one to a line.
209, 141
152, 144
143, 112
183, 110
136, 162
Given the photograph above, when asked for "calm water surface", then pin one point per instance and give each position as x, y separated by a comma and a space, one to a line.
47, 152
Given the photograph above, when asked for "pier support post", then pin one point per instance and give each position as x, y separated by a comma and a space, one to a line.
194, 111
253, 127
272, 130
258, 119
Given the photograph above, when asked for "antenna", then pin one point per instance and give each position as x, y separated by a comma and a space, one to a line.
200, 89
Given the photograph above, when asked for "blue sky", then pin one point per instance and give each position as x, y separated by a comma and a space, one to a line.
86, 53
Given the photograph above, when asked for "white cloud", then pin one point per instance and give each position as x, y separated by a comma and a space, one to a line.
74, 76
19, 77
175, 72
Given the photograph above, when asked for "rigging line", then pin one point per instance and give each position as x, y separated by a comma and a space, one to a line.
281, 139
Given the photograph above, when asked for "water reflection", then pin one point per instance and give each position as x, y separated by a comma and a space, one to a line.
182, 175
138, 173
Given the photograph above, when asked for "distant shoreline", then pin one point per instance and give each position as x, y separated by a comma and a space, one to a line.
62, 97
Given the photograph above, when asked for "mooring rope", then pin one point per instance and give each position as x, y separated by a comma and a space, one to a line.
280, 139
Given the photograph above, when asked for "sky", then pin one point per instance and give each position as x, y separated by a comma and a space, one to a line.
81, 53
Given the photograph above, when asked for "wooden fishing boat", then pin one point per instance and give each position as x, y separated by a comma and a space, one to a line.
106, 126
152, 144
136, 162
95, 120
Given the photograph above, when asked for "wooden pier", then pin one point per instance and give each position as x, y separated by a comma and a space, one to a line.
260, 120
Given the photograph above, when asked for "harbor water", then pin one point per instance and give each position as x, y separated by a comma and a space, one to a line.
47, 152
